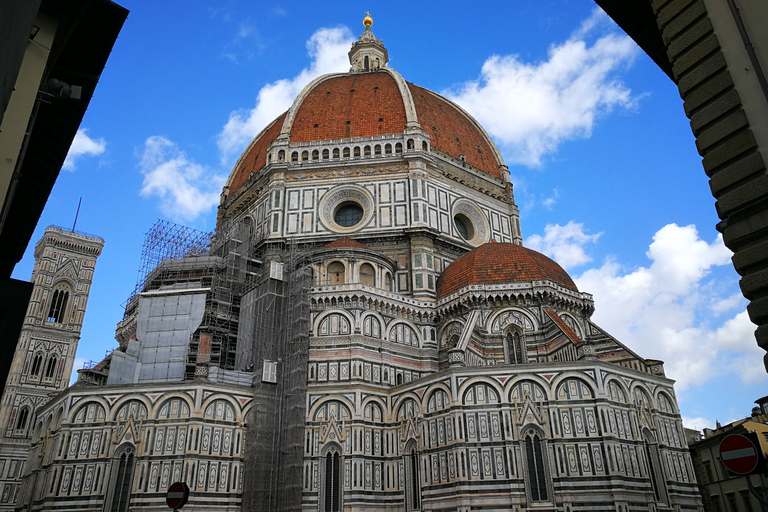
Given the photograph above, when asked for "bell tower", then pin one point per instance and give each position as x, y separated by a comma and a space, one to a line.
45, 353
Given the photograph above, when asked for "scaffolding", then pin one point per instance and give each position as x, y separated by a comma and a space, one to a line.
280, 334
256, 310
168, 241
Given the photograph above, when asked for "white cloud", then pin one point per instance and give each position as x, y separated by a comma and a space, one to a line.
564, 244
664, 310
531, 108
698, 423
83, 145
327, 49
185, 188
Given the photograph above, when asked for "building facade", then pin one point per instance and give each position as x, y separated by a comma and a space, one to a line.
722, 491
381, 338
45, 353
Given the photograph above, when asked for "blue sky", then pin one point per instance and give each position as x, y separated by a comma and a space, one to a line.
604, 165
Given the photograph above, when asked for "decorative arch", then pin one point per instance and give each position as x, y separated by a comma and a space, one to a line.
89, 412
572, 386
336, 272
404, 332
374, 400
408, 407
615, 390
132, 407
175, 406
337, 408
366, 273
372, 325
666, 403
373, 412
220, 408
450, 334
574, 324
335, 322
509, 316
480, 392
528, 387
439, 399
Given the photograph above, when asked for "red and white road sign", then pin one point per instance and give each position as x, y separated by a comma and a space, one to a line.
738, 454
177, 496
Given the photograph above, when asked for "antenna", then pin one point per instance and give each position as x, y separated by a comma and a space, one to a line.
77, 213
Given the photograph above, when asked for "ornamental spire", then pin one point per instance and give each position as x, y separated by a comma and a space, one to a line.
367, 53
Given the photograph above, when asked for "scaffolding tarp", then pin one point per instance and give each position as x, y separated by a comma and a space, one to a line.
279, 320
164, 327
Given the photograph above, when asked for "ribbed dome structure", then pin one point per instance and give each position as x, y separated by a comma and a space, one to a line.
373, 104
497, 263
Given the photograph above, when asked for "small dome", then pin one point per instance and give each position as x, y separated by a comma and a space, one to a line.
344, 243
497, 263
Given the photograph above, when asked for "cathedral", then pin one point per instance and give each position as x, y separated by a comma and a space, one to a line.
364, 331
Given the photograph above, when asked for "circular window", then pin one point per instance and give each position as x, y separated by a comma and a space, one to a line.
464, 227
470, 223
348, 214
346, 209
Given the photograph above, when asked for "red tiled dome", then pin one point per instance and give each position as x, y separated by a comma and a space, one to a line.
344, 243
351, 105
497, 263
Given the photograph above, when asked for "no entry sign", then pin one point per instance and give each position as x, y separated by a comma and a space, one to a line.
738, 454
177, 496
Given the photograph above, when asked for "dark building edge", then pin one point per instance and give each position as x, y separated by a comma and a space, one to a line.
694, 60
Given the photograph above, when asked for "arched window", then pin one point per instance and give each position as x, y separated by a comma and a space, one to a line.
50, 367
377, 149
332, 498
326, 154
121, 490
654, 465
516, 348
305, 156
356, 151
388, 149
398, 148
537, 476
366, 63
410, 144
424, 145
367, 274
315, 155
335, 153
58, 307
281, 155
295, 156
388, 281
412, 481
21, 421
37, 362
346, 152
367, 151
399, 379
336, 273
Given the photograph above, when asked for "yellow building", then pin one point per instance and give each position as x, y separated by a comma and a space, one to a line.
720, 491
